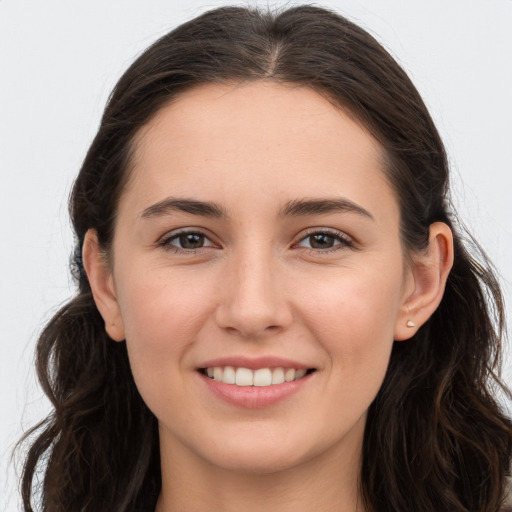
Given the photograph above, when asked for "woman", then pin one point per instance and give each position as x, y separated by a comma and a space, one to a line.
275, 308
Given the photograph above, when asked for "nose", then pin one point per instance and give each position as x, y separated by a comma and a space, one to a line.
253, 296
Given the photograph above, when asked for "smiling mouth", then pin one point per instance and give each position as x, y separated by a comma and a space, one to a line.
261, 377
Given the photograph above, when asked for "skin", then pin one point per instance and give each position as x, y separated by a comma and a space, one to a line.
259, 286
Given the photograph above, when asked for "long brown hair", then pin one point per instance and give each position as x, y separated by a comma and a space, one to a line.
435, 440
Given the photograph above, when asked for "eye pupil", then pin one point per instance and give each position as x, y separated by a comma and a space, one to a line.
191, 240
321, 241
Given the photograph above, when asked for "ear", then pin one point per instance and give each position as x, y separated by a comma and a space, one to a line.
429, 271
101, 280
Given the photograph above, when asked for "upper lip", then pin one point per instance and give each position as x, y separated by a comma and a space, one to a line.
254, 363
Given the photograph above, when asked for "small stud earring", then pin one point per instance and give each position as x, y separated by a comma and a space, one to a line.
410, 323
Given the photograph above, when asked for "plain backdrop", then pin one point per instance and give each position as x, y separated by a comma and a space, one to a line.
58, 62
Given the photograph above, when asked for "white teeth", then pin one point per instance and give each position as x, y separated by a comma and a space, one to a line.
218, 373
278, 376
229, 376
300, 373
261, 377
289, 375
244, 377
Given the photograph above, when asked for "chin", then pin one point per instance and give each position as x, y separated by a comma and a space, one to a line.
261, 454
261, 463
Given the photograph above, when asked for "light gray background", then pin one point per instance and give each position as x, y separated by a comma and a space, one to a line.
58, 62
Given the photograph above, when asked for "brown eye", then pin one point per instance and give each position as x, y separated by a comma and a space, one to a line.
324, 241
321, 241
186, 241
191, 240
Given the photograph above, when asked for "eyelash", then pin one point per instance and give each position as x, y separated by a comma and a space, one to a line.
166, 242
344, 241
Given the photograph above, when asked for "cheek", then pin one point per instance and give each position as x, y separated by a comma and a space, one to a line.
354, 320
161, 317
159, 300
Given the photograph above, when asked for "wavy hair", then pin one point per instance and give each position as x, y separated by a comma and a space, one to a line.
436, 438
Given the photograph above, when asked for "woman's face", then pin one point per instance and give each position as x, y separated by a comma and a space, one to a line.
258, 233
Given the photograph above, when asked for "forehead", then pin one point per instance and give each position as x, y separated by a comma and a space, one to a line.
260, 137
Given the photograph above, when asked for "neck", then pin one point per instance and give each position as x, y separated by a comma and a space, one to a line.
327, 482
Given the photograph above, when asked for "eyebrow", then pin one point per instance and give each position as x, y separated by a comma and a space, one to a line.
313, 206
192, 206
295, 208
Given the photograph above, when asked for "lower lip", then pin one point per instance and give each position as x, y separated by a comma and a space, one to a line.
254, 397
